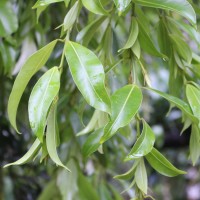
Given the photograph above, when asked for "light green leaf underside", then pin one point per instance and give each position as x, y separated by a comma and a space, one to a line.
31, 66
182, 7
161, 164
125, 104
51, 138
88, 75
32, 152
95, 6
40, 100
144, 144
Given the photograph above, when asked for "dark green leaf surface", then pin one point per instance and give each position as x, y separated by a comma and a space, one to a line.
31, 66
125, 103
144, 144
161, 164
40, 100
32, 152
180, 6
92, 143
51, 138
88, 74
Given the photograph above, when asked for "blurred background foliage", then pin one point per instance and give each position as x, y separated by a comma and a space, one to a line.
91, 178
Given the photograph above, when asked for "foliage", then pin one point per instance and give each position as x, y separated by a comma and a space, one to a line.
99, 61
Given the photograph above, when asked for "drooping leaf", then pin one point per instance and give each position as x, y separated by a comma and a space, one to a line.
193, 96
183, 106
144, 144
40, 100
88, 74
122, 5
86, 34
194, 144
32, 152
133, 34
141, 176
161, 164
95, 6
51, 137
71, 16
31, 66
125, 103
182, 7
136, 49
92, 143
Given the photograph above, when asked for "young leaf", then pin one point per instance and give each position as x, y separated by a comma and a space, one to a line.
183, 106
194, 144
88, 74
31, 66
193, 96
29, 155
71, 16
144, 144
182, 7
136, 49
133, 33
40, 100
95, 6
125, 103
92, 142
51, 137
121, 5
141, 176
161, 164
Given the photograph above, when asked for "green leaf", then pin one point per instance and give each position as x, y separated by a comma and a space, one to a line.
125, 103
133, 34
71, 16
92, 142
129, 174
88, 74
161, 164
41, 3
29, 155
141, 176
146, 43
181, 47
51, 137
31, 66
144, 143
194, 144
193, 96
182, 7
136, 49
95, 6
8, 19
122, 5
183, 106
40, 100
86, 34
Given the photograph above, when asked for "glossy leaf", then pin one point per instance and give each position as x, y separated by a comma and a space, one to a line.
144, 143
122, 5
183, 106
182, 7
30, 67
88, 74
51, 137
29, 155
161, 164
193, 96
92, 143
194, 144
125, 104
141, 176
40, 100
95, 6
41, 3
133, 33
71, 16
